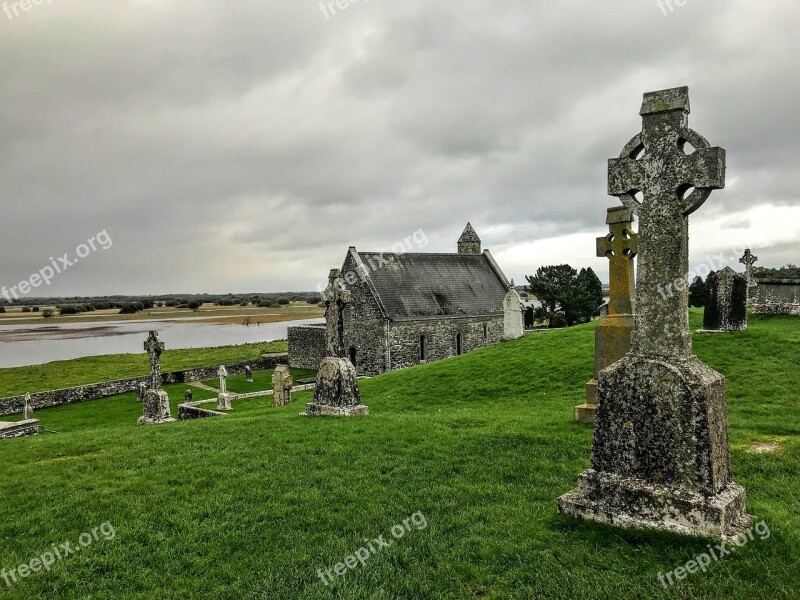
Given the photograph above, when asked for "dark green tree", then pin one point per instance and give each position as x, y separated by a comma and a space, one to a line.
551, 285
697, 292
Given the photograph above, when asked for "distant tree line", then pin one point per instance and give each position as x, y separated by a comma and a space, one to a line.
567, 296
789, 271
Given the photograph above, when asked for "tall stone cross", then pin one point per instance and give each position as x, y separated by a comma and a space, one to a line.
154, 347
223, 379
620, 246
674, 182
748, 260
336, 298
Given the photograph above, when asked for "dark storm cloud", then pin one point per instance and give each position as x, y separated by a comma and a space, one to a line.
243, 146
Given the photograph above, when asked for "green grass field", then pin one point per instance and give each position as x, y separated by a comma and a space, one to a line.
95, 369
252, 504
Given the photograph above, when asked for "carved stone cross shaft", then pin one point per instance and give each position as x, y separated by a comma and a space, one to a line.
620, 246
674, 183
154, 347
336, 298
222, 372
748, 260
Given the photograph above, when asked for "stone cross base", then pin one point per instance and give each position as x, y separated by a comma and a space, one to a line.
585, 413
156, 408
323, 410
615, 500
17, 429
224, 402
282, 399
660, 455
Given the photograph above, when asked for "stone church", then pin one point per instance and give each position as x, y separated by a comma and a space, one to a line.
390, 311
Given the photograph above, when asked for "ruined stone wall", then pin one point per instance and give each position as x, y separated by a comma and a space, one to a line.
440, 337
364, 324
306, 346
15, 404
776, 297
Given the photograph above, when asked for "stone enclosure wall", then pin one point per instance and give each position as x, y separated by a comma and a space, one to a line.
306, 346
776, 297
15, 404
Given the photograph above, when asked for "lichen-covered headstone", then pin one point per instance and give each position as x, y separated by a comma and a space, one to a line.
336, 393
141, 391
248, 374
336, 297
726, 301
224, 401
187, 396
513, 325
281, 386
156, 400
612, 338
660, 456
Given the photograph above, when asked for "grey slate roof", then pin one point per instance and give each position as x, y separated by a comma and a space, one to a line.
427, 285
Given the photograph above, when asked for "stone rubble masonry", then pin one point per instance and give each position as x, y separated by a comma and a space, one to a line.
15, 404
188, 412
306, 346
17, 429
776, 297
660, 454
726, 301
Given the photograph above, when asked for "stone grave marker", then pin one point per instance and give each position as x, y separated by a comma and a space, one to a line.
748, 260
612, 338
660, 456
513, 324
223, 398
248, 374
187, 396
141, 391
156, 400
726, 301
27, 411
282, 386
336, 393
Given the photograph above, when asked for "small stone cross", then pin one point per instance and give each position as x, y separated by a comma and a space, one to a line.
223, 376
336, 298
748, 260
674, 182
620, 246
154, 347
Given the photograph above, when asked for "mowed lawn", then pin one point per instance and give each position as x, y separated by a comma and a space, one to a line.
252, 504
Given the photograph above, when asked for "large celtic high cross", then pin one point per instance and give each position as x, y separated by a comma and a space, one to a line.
154, 347
674, 182
336, 297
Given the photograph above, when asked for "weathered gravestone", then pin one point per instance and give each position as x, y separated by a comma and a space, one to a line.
336, 393
281, 386
513, 326
726, 301
141, 391
187, 396
336, 297
156, 400
248, 374
660, 456
27, 411
612, 338
223, 398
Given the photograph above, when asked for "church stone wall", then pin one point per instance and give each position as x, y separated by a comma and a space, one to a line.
364, 324
776, 297
440, 337
306, 346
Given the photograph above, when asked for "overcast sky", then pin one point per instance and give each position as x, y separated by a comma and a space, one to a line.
242, 146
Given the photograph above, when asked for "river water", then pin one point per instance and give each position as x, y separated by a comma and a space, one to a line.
22, 345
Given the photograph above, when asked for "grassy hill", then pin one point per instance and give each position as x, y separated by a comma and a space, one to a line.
253, 504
